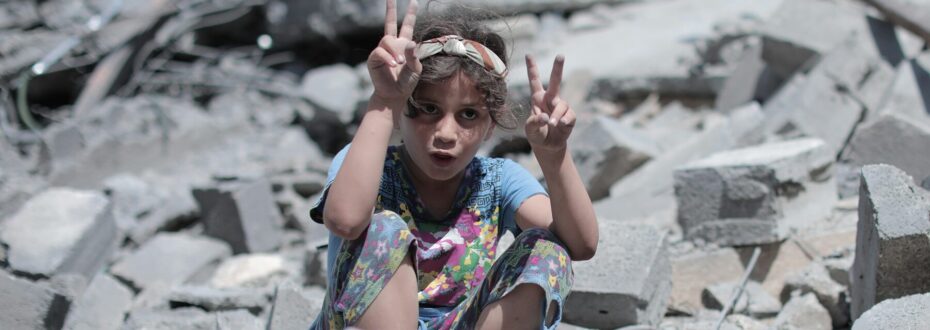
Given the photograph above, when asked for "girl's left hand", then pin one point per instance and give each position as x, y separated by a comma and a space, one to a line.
552, 119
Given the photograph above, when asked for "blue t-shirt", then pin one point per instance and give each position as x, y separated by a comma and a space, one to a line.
455, 252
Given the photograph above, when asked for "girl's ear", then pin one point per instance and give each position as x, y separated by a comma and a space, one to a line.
487, 136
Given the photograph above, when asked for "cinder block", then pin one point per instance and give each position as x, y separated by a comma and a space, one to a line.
628, 282
909, 312
169, 258
896, 140
61, 230
755, 195
243, 214
893, 239
605, 151
27, 305
103, 305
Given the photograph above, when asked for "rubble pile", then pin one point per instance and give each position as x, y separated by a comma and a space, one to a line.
753, 164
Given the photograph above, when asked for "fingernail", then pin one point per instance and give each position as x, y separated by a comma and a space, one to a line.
401, 59
393, 63
552, 122
564, 121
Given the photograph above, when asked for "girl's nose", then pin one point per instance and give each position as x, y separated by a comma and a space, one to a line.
446, 130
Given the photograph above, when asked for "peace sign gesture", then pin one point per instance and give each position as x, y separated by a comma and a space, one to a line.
393, 65
552, 119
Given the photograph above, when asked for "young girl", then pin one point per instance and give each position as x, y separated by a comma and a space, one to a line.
414, 227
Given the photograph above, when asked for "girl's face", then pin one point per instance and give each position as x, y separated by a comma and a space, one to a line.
445, 134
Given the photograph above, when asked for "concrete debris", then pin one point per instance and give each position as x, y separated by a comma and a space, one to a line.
238, 319
181, 318
832, 296
640, 258
250, 270
754, 301
167, 258
243, 214
294, 307
908, 94
895, 140
103, 305
211, 299
604, 152
61, 230
28, 305
334, 88
908, 312
803, 312
745, 196
893, 239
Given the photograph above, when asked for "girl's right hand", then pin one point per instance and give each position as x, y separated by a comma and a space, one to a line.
393, 66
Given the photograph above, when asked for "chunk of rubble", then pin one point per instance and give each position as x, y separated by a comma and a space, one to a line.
250, 270
605, 151
628, 282
102, 306
294, 307
895, 140
239, 319
751, 79
803, 312
908, 312
28, 305
61, 230
243, 214
169, 258
335, 88
180, 318
892, 241
755, 195
832, 296
211, 299
754, 300
907, 95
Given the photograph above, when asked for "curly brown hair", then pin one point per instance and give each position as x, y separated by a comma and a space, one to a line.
466, 23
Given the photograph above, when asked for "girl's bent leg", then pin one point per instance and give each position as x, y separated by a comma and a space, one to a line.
530, 279
371, 274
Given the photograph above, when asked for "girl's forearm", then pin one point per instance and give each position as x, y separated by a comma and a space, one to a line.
573, 218
353, 193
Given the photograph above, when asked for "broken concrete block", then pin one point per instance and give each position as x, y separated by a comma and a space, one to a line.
103, 305
604, 152
895, 140
238, 319
694, 271
908, 312
754, 300
832, 295
243, 214
250, 270
61, 230
28, 305
750, 80
180, 318
627, 283
907, 95
294, 307
755, 195
893, 239
212, 299
168, 258
803, 312
334, 88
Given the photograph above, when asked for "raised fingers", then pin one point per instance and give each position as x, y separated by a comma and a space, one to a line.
555, 78
559, 111
410, 20
390, 19
533, 74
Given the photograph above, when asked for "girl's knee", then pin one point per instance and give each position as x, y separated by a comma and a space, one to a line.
543, 241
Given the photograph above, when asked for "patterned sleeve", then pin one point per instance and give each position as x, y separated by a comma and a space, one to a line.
517, 184
316, 213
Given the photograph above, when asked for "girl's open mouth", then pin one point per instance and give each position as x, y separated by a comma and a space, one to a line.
442, 159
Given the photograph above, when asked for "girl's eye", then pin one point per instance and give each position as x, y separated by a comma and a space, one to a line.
470, 114
429, 109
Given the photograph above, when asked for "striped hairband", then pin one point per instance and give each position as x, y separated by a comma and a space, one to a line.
455, 45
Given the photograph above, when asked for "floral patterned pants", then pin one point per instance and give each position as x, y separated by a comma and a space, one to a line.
365, 265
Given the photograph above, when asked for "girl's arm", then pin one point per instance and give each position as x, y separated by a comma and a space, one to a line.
569, 213
394, 71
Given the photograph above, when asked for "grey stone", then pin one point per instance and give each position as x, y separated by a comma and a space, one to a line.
103, 305
803, 312
831, 295
238, 319
243, 214
908, 94
628, 282
908, 312
604, 152
61, 230
650, 188
754, 300
294, 307
251, 270
895, 140
168, 258
755, 195
335, 88
750, 80
182, 318
212, 299
315, 267
839, 268
176, 208
131, 195
28, 305
892, 240
17, 185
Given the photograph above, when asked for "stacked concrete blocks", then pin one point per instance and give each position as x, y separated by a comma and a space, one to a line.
893, 239
755, 195
638, 255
